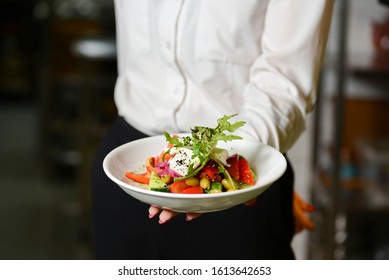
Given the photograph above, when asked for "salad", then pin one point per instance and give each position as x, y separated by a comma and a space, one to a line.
195, 165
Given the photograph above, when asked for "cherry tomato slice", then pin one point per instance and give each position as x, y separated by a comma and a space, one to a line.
245, 174
193, 190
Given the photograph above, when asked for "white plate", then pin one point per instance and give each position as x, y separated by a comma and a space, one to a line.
267, 163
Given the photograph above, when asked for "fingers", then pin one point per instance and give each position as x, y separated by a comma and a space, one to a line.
303, 204
166, 215
192, 216
153, 211
303, 221
251, 202
300, 208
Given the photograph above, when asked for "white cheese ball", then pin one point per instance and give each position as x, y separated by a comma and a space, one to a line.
181, 161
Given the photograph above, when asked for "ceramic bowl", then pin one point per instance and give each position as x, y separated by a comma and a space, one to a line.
267, 163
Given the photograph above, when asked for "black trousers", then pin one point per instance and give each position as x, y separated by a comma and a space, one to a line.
122, 229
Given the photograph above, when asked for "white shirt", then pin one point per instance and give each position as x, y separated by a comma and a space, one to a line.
183, 63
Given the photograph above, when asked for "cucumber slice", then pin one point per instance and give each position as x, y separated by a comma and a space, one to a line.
157, 184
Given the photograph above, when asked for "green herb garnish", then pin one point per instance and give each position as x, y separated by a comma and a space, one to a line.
203, 141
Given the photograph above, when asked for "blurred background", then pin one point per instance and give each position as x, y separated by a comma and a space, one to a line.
57, 74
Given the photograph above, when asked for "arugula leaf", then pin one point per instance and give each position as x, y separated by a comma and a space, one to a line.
204, 139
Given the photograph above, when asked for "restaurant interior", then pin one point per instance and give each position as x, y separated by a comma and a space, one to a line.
57, 75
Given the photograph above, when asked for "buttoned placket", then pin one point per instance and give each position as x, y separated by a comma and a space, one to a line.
169, 38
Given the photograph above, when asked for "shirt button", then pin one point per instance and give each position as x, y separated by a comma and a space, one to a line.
168, 45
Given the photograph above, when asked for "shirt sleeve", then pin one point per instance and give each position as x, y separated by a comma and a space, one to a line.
283, 79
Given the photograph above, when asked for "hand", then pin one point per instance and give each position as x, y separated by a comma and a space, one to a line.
166, 215
300, 209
